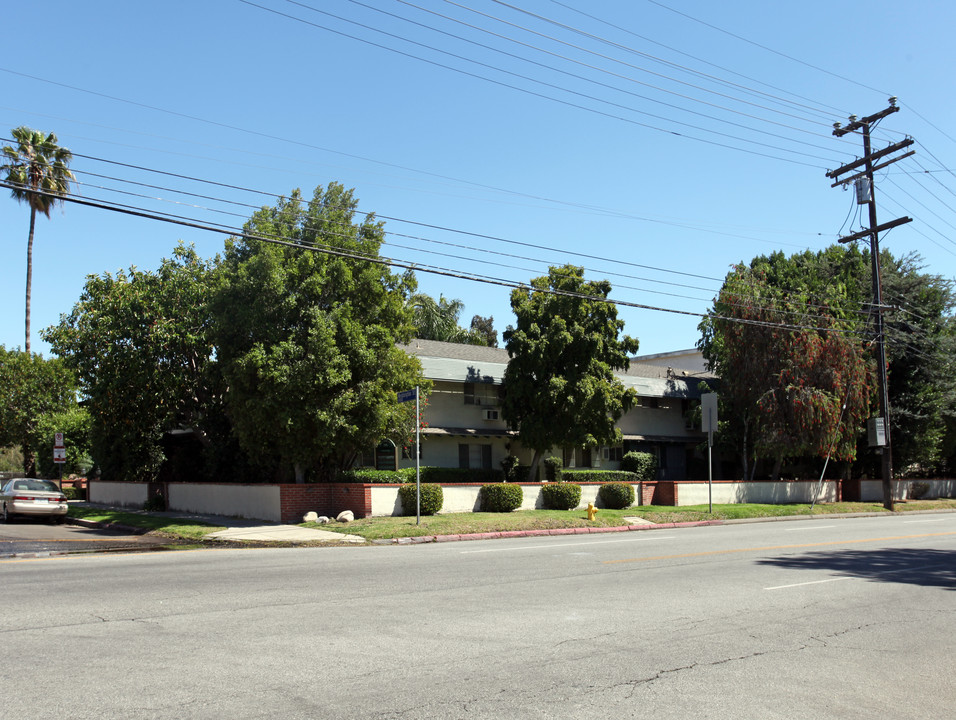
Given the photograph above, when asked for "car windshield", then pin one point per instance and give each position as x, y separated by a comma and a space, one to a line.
35, 486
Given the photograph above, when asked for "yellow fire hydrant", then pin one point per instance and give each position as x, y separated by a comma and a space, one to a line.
592, 511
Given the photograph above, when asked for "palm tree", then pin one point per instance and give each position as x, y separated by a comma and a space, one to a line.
37, 174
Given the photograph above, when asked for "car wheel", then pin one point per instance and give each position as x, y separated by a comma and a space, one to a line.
7, 515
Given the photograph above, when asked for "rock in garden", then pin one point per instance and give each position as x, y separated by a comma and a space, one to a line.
310, 517
345, 516
324, 520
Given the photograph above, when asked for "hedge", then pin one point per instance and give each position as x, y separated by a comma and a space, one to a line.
616, 495
552, 468
500, 497
601, 476
431, 502
643, 464
435, 475
561, 495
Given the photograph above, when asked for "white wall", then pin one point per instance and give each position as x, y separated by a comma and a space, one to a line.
118, 494
756, 492
464, 498
261, 502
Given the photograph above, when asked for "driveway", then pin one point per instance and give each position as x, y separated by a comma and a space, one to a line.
28, 537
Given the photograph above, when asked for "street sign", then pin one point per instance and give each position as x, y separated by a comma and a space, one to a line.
407, 395
59, 455
58, 439
708, 412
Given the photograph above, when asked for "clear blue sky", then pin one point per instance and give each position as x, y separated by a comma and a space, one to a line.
655, 144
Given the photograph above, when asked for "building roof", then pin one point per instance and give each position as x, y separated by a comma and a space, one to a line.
456, 362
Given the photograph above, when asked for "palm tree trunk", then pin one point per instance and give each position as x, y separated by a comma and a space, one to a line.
33, 218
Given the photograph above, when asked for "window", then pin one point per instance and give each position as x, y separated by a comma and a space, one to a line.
486, 394
474, 456
614, 454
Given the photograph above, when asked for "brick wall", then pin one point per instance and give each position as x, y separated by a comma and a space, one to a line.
325, 499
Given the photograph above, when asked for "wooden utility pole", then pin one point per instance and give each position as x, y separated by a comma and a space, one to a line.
866, 195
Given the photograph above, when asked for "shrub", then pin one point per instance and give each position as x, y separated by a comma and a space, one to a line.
369, 475
561, 495
501, 497
642, 464
600, 476
552, 468
510, 465
616, 495
431, 501
918, 490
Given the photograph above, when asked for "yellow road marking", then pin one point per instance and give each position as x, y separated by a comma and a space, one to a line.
774, 547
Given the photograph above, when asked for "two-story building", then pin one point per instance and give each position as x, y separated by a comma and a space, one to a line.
465, 427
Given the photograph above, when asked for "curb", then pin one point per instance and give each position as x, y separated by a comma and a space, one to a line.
505, 534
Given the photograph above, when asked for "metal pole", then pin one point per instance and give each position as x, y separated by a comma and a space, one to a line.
418, 470
710, 460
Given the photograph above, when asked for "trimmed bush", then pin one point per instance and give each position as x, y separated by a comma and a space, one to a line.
436, 475
642, 464
552, 468
616, 495
918, 490
599, 476
501, 497
370, 476
432, 498
561, 495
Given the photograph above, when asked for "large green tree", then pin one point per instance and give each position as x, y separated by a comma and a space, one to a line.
560, 389
37, 171
139, 343
32, 389
810, 314
306, 335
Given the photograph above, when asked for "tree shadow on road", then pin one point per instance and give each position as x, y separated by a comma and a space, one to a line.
931, 568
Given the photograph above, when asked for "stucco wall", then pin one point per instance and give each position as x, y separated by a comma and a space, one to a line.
464, 498
693, 493
261, 502
118, 494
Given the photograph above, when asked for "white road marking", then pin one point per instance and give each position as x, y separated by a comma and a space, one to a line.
814, 527
564, 545
812, 582
913, 522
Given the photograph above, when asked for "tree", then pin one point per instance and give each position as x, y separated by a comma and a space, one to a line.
31, 388
38, 173
484, 327
306, 335
787, 338
139, 344
438, 320
560, 389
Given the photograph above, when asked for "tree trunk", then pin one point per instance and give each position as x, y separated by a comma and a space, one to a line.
33, 218
533, 472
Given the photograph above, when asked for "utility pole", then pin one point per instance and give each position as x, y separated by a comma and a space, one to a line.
865, 195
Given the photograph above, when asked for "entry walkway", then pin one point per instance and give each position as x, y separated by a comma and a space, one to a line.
239, 529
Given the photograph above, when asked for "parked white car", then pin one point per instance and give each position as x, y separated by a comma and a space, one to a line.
32, 497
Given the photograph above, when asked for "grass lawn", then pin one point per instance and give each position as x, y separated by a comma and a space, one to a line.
158, 524
378, 528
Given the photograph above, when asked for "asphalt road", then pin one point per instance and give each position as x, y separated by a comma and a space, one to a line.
34, 537
825, 618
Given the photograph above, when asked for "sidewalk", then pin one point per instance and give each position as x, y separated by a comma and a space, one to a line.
235, 528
